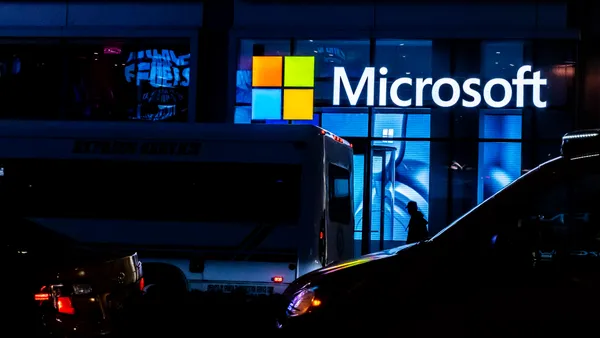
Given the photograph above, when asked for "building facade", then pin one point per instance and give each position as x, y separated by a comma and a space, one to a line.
444, 103
586, 17
395, 80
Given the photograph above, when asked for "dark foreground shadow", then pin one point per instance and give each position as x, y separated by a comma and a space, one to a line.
199, 313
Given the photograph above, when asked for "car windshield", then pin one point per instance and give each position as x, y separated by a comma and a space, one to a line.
511, 199
566, 190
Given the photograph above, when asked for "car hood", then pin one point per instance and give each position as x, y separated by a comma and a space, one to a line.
344, 269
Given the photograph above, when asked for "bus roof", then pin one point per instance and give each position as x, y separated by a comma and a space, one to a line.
159, 131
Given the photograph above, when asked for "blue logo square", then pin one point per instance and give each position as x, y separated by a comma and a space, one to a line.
266, 104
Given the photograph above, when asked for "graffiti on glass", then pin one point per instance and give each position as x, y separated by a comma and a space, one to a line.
165, 73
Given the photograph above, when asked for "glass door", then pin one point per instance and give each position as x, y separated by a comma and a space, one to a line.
383, 183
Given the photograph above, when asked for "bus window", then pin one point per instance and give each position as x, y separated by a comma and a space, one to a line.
340, 203
160, 191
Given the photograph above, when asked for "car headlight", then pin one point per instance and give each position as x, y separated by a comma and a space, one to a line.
303, 302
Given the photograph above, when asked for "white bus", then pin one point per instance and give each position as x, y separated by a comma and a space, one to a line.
230, 206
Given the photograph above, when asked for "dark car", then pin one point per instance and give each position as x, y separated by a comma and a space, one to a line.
525, 262
56, 286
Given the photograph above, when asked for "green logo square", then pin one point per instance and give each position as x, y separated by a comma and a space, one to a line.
299, 71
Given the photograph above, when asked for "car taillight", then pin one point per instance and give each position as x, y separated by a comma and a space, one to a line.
42, 297
142, 284
64, 305
60, 296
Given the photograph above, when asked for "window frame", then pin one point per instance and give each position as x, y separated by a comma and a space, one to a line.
62, 37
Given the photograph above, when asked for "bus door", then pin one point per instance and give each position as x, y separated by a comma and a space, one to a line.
339, 224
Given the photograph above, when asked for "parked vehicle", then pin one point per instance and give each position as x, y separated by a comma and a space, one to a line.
525, 262
208, 207
58, 286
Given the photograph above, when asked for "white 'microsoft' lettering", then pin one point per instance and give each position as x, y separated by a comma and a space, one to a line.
368, 77
473, 99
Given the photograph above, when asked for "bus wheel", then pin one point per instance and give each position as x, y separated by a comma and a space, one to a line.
165, 283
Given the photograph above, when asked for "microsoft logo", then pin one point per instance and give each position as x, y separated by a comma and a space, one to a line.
283, 87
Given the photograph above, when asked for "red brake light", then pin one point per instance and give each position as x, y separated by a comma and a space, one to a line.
321, 235
277, 279
65, 306
142, 284
41, 297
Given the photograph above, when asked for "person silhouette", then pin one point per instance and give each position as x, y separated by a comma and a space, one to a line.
417, 226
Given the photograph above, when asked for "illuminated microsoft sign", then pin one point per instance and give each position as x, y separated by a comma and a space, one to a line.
468, 87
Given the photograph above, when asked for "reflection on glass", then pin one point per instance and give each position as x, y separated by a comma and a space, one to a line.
353, 55
402, 58
391, 123
501, 124
383, 184
163, 76
91, 79
499, 162
243, 92
359, 170
115, 80
405, 58
502, 60
242, 115
346, 122
499, 165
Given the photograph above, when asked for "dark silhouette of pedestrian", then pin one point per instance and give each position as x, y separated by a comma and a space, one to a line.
417, 226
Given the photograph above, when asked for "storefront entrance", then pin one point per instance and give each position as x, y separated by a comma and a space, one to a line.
387, 175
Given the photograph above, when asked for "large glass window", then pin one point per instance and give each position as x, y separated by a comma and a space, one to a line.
499, 161
346, 122
431, 137
95, 79
352, 55
31, 80
501, 60
404, 59
126, 80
